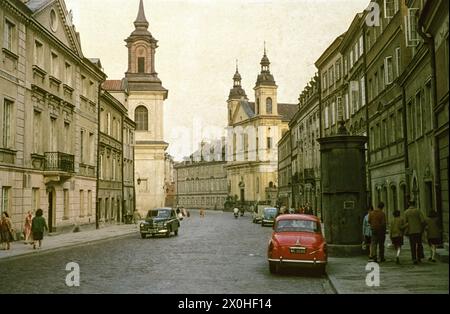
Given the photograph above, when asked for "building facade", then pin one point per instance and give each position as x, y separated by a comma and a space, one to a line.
145, 97
116, 166
254, 129
48, 117
201, 182
285, 171
305, 130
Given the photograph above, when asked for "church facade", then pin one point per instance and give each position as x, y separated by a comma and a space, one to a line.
254, 129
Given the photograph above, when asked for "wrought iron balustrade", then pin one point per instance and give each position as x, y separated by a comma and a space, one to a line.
56, 161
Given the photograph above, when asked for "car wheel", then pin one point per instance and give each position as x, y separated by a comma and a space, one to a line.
262, 224
322, 270
143, 235
273, 267
168, 233
176, 232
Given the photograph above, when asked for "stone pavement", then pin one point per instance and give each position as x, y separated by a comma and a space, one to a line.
348, 275
65, 240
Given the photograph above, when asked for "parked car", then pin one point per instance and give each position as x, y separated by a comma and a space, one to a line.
162, 221
297, 240
269, 215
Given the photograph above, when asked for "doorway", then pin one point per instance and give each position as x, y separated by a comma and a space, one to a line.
51, 209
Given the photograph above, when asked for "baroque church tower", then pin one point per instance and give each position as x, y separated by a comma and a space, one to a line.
146, 97
265, 90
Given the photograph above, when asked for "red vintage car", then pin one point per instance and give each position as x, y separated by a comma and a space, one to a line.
297, 240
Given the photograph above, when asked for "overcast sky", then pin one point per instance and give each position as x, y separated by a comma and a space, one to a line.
199, 41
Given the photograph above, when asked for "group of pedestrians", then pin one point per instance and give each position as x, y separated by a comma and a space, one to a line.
33, 230
412, 223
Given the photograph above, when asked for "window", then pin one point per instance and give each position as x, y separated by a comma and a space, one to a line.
54, 66
36, 199
345, 65
66, 137
363, 91
412, 37
340, 110
368, 40
331, 74
8, 34
356, 52
389, 70
419, 114
7, 123
382, 78
91, 90
83, 85
53, 145
397, 61
376, 90
384, 133
257, 106
372, 138
269, 105
427, 103
351, 59
91, 148
324, 80
347, 107
370, 91
354, 94
81, 203
141, 65
392, 128
377, 136
361, 45
333, 113
338, 70
399, 124
100, 168
390, 8
6, 200
108, 123
269, 143
141, 118
326, 117
38, 53
82, 146
411, 124
66, 204
37, 137
68, 74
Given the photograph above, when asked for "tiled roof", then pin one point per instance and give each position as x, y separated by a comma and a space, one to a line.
113, 85
287, 111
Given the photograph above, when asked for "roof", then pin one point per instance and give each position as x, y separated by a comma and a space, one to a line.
248, 107
113, 85
287, 111
297, 216
35, 5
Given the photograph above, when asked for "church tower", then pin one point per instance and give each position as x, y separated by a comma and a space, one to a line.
146, 97
237, 93
265, 90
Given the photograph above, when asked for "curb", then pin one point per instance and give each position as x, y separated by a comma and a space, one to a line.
64, 247
332, 280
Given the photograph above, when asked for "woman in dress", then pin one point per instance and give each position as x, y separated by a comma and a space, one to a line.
27, 227
6, 231
38, 226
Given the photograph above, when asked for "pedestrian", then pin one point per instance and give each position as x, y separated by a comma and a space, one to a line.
397, 228
136, 216
415, 223
27, 227
367, 232
377, 221
6, 231
38, 226
433, 229
202, 213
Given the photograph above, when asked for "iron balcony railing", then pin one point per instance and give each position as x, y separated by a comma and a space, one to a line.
56, 161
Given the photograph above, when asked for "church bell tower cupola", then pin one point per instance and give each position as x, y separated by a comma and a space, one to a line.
141, 73
237, 92
265, 77
266, 103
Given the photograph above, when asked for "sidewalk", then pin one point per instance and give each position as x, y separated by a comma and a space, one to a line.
348, 275
65, 240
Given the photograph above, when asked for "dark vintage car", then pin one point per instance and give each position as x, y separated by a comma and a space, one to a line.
297, 240
269, 215
162, 221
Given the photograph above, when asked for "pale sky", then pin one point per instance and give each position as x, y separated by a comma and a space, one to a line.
199, 41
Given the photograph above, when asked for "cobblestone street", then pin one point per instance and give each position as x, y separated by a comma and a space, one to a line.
216, 254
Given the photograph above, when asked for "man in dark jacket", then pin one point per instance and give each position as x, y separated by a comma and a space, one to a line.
377, 221
415, 223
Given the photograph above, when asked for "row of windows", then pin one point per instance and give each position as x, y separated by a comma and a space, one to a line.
269, 105
109, 168
202, 186
202, 171
203, 201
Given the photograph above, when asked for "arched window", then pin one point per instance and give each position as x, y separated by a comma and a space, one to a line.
257, 106
269, 105
141, 118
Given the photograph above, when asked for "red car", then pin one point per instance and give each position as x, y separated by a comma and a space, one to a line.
297, 240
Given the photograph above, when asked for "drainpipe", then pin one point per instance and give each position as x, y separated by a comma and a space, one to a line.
97, 209
405, 142
429, 41
366, 96
122, 172
319, 88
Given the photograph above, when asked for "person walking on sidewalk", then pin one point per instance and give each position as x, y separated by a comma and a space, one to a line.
433, 229
38, 226
377, 221
397, 228
415, 223
6, 231
27, 227
367, 232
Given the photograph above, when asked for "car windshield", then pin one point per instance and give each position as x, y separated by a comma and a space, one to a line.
270, 212
159, 213
297, 225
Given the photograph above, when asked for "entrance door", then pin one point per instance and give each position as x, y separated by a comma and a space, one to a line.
51, 205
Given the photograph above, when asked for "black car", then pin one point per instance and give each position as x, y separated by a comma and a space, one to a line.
161, 221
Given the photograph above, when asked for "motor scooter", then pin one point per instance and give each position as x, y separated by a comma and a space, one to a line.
236, 213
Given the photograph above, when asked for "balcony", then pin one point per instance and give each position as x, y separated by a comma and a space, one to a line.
58, 166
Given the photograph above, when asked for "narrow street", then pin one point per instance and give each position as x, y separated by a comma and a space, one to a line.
216, 254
